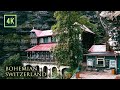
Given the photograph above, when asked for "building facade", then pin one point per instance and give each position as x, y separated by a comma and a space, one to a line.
40, 53
100, 59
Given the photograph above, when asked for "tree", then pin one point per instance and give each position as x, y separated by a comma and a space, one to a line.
69, 50
110, 20
38, 19
13, 61
94, 18
12, 40
2, 73
99, 34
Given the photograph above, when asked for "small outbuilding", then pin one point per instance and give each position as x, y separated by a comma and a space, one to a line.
100, 59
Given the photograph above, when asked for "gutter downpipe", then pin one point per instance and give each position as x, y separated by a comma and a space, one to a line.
116, 61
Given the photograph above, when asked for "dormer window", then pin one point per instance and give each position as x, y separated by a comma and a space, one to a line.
41, 40
49, 39
45, 39
53, 39
100, 62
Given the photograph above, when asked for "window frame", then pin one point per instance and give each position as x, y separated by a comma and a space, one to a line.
49, 39
91, 60
103, 59
41, 40
110, 64
45, 39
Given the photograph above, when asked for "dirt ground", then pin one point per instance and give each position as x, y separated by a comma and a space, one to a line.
97, 75
92, 74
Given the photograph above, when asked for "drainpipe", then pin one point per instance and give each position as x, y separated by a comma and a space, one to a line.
116, 61
117, 55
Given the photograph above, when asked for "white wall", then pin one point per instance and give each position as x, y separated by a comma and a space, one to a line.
49, 66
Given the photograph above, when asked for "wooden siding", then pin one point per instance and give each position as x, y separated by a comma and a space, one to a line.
107, 60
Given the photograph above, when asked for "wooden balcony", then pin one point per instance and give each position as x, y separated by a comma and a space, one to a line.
40, 58
39, 61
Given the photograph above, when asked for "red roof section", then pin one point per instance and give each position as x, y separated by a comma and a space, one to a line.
37, 32
98, 48
40, 33
46, 33
107, 53
42, 47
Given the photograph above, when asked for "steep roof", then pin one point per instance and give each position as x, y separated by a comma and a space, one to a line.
37, 32
40, 33
102, 54
98, 48
46, 33
42, 47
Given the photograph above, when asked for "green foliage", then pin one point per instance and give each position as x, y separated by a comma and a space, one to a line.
99, 30
63, 29
38, 19
13, 61
2, 72
55, 75
10, 41
69, 50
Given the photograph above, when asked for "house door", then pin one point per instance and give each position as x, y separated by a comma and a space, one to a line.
118, 66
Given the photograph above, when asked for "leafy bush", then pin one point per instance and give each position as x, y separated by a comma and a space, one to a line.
2, 73
13, 61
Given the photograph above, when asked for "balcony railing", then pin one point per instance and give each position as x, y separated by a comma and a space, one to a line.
38, 62
41, 59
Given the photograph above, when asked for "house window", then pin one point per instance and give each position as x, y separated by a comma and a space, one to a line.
49, 39
112, 64
41, 40
46, 40
47, 55
35, 41
53, 39
89, 62
100, 62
